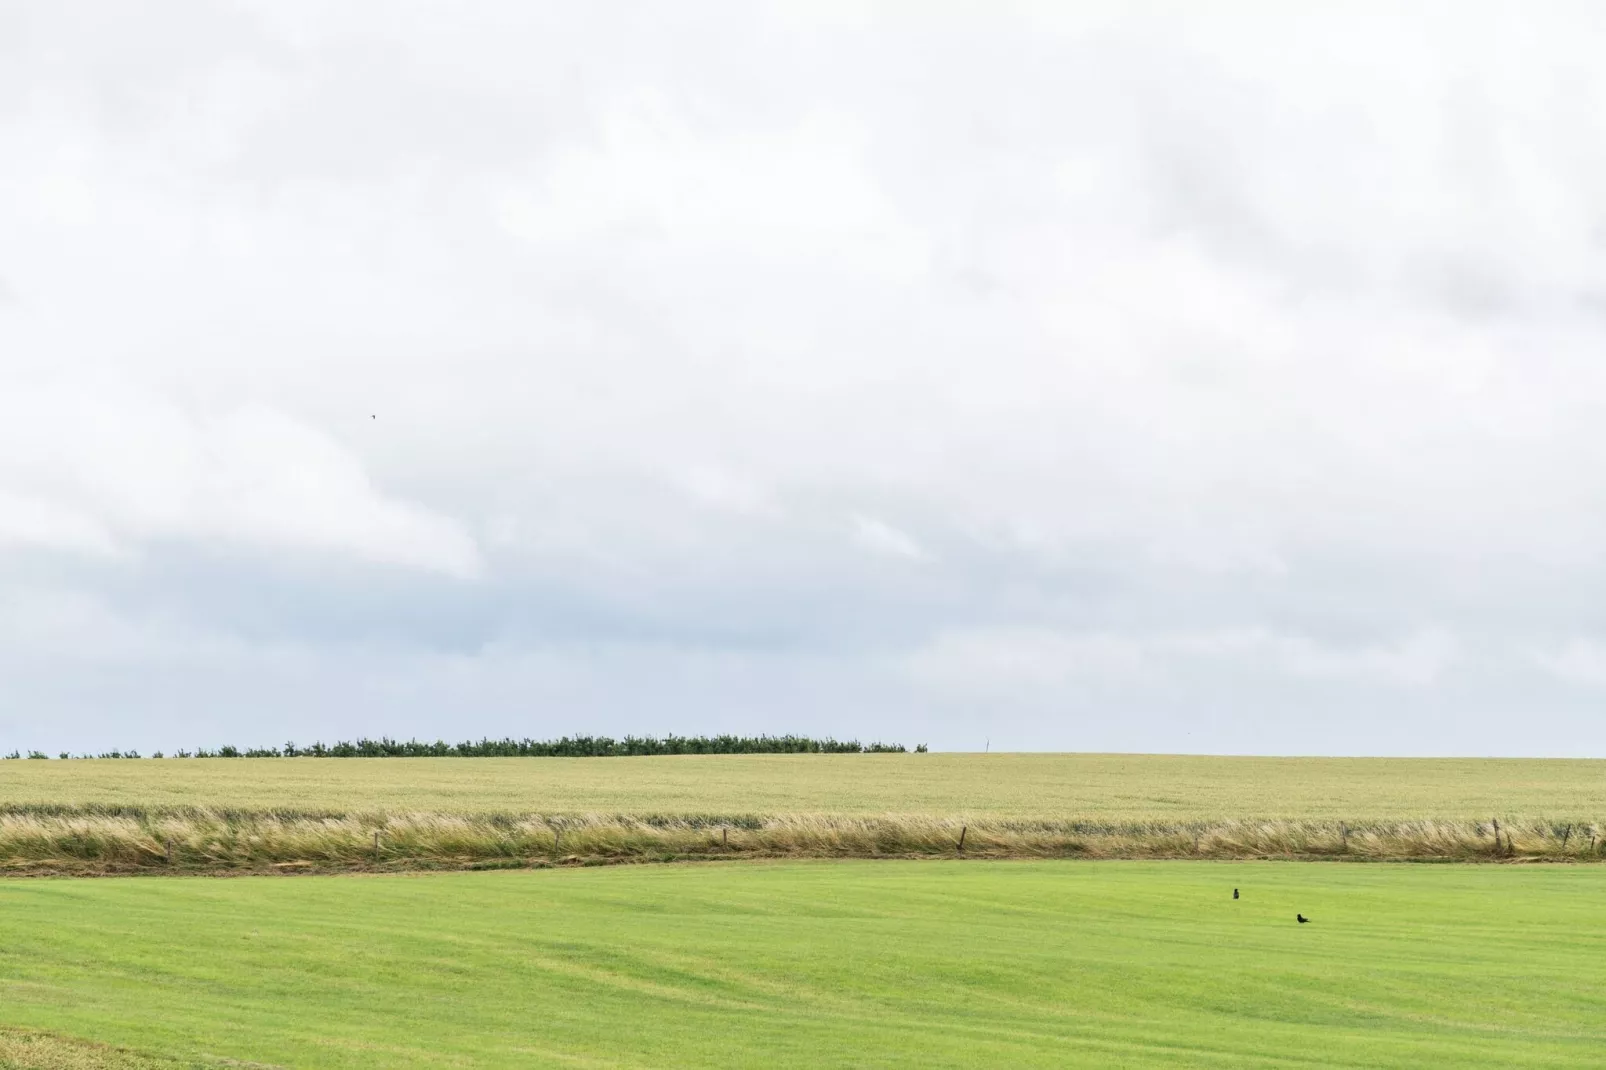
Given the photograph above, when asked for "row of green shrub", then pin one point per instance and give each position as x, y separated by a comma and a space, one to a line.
567, 747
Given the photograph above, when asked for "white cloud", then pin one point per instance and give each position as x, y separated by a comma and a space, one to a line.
95, 469
721, 488
1416, 660
800, 193
1577, 661
30, 522
1153, 329
1022, 662
1043, 664
880, 537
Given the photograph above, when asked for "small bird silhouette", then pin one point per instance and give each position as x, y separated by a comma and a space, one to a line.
1302, 919
1235, 893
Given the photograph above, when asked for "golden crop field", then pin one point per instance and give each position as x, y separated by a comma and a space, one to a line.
1109, 787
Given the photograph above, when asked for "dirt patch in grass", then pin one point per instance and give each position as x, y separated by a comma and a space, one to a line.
24, 1049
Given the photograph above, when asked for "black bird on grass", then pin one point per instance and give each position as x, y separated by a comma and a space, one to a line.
1235, 893
1302, 919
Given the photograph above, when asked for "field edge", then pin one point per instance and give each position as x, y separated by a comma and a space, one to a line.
73, 841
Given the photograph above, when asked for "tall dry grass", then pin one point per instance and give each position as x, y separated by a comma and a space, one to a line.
43, 839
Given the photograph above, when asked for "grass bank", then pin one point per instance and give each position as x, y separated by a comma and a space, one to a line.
122, 840
847, 964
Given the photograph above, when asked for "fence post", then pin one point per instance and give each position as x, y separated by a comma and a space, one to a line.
1343, 831
724, 836
962, 830
170, 850
376, 844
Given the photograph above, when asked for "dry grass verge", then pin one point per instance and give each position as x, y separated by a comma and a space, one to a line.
26, 1049
44, 839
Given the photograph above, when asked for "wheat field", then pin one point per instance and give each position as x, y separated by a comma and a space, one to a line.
1086, 787
287, 815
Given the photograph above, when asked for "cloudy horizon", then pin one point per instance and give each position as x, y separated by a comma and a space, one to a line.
1037, 376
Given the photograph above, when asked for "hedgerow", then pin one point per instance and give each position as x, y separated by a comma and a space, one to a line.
566, 747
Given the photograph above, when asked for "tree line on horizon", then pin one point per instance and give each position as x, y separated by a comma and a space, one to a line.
566, 747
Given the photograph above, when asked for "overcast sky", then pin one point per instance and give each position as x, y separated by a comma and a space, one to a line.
1053, 375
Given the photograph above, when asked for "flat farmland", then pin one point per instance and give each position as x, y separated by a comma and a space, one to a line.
1112, 787
823, 964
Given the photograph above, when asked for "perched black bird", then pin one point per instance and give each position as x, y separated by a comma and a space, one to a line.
1302, 919
1235, 893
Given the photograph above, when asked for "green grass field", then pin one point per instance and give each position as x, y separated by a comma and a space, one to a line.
844, 963
826, 964
1084, 786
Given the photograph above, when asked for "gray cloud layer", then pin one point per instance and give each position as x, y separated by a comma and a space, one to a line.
1113, 378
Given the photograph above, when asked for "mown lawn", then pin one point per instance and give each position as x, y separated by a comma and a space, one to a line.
827, 964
